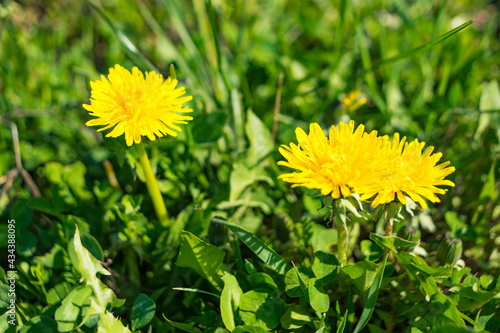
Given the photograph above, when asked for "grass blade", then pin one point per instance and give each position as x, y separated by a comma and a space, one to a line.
264, 252
421, 48
371, 300
194, 290
129, 47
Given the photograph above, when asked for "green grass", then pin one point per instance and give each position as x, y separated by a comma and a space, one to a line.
427, 71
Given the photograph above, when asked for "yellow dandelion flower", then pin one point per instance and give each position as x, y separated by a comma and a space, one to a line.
412, 173
349, 159
351, 102
137, 105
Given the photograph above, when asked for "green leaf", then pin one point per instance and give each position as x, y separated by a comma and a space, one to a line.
143, 311
249, 329
423, 47
242, 176
203, 258
73, 308
422, 280
391, 242
261, 142
108, 323
230, 301
261, 280
293, 286
295, 316
318, 298
264, 252
185, 327
370, 250
444, 312
362, 274
250, 267
261, 307
325, 267
208, 128
371, 300
88, 267
125, 42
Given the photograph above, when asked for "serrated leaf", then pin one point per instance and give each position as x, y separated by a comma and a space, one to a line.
230, 301
203, 258
109, 324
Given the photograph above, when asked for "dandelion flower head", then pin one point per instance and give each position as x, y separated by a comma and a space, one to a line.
137, 105
348, 159
413, 173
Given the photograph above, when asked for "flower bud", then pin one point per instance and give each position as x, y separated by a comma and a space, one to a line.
409, 233
449, 251
217, 232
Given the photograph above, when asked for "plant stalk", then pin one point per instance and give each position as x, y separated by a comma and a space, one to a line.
152, 185
341, 234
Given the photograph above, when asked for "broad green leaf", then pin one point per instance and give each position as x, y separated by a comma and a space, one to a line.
318, 298
370, 250
261, 307
249, 329
325, 267
362, 274
422, 280
243, 176
230, 301
391, 242
451, 328
261, 280
38, 324
203, 258
444, 311
73, 308
371, 300
295, 316
293, 287
264, 252
143, 311
261, 142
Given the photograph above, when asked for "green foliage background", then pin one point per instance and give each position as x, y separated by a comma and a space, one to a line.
224, 161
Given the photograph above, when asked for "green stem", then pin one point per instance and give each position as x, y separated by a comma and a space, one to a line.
133, 268
152, 185
341, 232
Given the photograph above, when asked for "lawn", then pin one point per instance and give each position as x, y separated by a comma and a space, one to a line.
265, 166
